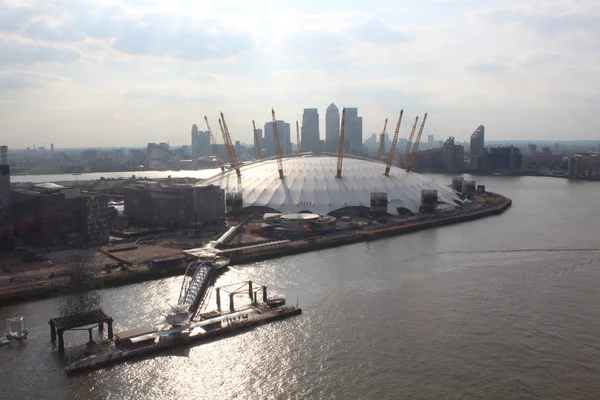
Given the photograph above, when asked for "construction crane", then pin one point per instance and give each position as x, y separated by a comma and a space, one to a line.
229, 146
390, 158
297, 138
381, 141
341, 145
256, 142
410, 139
214, 144
277, 145
413, 155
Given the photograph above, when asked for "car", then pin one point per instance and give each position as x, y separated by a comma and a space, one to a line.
50, 263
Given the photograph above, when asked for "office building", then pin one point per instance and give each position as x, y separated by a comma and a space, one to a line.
332, 128
178, 206
201, 146
309, 132
504, 159
584, 166
477, 151
159, 156
453, 156
430, 141
353, 131
477, 141
47, 215
283, 130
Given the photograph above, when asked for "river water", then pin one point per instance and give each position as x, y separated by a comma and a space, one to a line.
506, 307
88, 176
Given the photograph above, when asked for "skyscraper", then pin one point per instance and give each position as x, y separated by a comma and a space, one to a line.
200, 142
478, 141
195, 140
268, 143
478, 156
332, 128
309, 133
353, 131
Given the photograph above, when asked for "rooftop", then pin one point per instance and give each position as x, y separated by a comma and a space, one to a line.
80, 320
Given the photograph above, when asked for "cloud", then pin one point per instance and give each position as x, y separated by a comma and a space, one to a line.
315, 44
201, 77
42, 30
376, 30
13, 18
486, 66
25, 52
155, 36
19, 80
547, 24
537, 60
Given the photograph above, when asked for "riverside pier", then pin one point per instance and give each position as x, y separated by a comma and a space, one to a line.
186, 322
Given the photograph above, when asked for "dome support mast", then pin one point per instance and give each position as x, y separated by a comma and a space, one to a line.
381, 141
277, 145
413, 155
257, 143
409, 144
229, 145
214, 145
297, 138
390, 158
341, 146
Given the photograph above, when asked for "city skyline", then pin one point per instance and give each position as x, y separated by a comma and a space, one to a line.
103, 74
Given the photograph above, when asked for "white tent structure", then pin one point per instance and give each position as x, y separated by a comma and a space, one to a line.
310, 184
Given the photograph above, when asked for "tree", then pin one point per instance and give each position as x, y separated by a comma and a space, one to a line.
80, 294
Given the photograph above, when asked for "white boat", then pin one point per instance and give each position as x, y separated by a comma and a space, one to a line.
16, 328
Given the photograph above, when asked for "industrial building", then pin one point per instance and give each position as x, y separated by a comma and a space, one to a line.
310, 185
156, 204
50, 215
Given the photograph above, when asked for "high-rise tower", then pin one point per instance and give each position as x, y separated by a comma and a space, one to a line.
309, 133
332, 128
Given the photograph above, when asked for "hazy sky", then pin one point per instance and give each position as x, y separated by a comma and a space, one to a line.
129, 72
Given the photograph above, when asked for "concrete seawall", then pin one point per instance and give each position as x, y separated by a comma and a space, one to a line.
361, 236
290, 248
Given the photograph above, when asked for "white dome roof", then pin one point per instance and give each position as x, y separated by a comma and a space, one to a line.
310, 184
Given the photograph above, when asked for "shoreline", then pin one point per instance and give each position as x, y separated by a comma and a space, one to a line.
239, 256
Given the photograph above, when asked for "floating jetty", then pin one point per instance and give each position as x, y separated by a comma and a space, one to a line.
144, 342
186, 323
